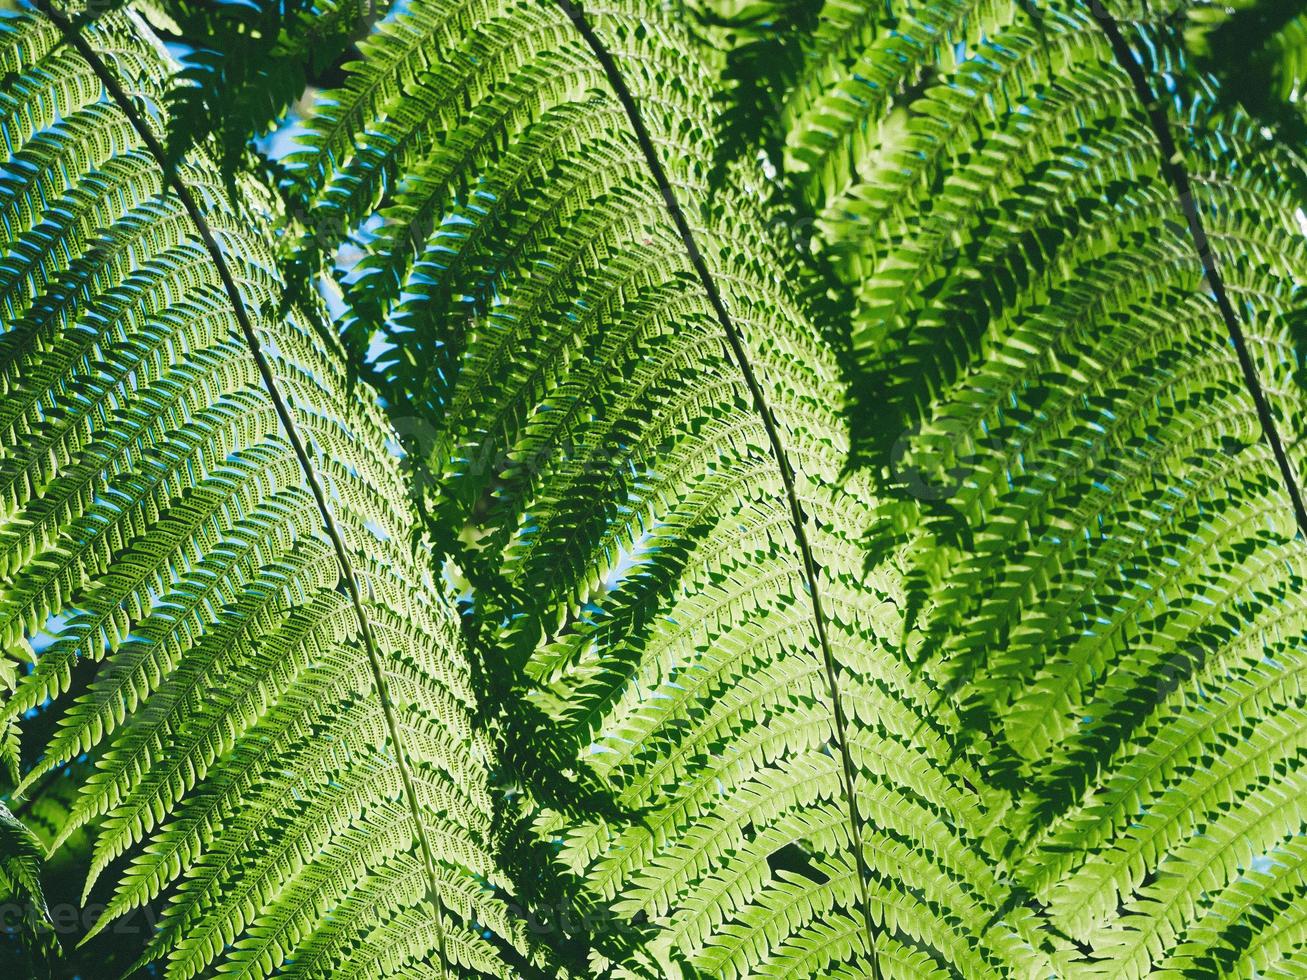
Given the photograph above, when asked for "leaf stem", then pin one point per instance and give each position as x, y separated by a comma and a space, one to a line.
1178, 176
115, 91
627, 99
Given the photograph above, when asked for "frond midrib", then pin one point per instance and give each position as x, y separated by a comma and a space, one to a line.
72, 35
736, 343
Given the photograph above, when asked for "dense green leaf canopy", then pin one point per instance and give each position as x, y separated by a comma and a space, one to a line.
704, 490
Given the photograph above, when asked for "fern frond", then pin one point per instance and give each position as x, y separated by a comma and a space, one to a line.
628, 429
1073, 374
20, 861
207, 520
922, 600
